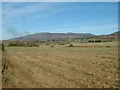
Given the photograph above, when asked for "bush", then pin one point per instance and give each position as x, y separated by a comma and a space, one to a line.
61, 44
94, 41
71, 45
91, 41
51, 46
97, 40
30, 44
12, 44
107, 46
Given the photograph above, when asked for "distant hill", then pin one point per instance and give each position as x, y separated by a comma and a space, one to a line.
80, 37
48, 36
113, 36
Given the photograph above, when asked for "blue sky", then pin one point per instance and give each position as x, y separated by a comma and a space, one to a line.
20, 18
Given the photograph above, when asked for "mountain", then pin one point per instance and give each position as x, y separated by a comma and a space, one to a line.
85, 37
49, 36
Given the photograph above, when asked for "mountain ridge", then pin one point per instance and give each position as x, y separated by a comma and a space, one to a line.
66, 36
45, 36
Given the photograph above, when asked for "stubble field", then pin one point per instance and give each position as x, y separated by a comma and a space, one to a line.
61, 66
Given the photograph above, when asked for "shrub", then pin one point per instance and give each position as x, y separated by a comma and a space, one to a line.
12, 44
89, 41
61, 44
51, 46
97, 40
71, 45
107, 46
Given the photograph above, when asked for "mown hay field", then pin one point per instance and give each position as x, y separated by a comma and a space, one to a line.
62, 67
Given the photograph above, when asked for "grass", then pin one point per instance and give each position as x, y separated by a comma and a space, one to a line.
62, 67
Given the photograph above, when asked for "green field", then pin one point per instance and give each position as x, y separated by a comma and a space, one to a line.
62, 66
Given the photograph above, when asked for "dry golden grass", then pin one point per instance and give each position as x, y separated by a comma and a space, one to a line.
62, 67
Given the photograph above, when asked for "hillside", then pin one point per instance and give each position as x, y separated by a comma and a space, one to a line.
113, 36
84, 37
46, 36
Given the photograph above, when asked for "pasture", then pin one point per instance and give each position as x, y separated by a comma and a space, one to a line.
62, 66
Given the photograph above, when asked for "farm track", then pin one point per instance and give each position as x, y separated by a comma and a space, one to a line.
59, 68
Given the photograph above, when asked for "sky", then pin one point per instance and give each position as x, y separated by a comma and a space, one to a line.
23, 18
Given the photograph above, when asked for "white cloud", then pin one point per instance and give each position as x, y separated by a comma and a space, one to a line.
12, 14
30, 11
